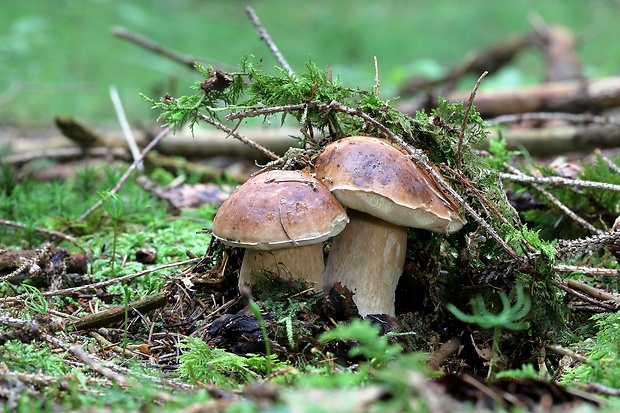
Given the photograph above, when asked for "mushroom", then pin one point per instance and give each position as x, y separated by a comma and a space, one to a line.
281, 218
385, 193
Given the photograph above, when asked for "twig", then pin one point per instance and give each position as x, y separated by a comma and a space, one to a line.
575, 356
152, 46
62, 154
376, 77
253, 112
593, 292
125, 176
545, 116
264, 36
122, 119
73, 290
487, 227
41, 230
559, 181
560, 284
470, 104
608, 161
29, 263
238, 136
588, 271
97, 367
117, 313
566, 249
585, 224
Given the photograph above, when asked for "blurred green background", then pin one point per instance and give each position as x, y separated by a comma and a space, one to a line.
57, 57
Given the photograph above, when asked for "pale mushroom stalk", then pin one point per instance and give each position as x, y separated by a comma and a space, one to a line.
371, 177
368, 258
289, 263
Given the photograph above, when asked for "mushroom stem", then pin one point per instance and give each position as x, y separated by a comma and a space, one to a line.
368, 257
288, 263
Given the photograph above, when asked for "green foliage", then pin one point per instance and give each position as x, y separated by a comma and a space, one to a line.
28, 358
113, 205
200, 363
370, 344
286, 299
596, 205
508, 318
34, 300
603, 351
527, 371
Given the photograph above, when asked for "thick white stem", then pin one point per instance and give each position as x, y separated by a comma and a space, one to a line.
289, 263
368, 257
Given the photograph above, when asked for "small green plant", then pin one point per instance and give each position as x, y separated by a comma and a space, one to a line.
34, 300
603, 352
370, 344
256, 311
509, 318
201, 363
113, 205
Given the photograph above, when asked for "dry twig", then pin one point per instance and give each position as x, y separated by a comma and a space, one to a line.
264, 36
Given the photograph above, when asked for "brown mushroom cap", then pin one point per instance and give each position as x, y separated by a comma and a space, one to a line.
279, 209
370, 175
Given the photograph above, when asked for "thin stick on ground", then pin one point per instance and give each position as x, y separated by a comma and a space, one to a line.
580, 221
50, 232
63, 154
470, 104
97, 367
73, 290
558, 181
122, 119
608, 161
264, 36
545, 116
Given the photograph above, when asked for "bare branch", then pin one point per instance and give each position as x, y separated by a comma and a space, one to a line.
73, 290
582, 222
583, 118
608, 161
470, 104
559, 181
264, 36
122, 119
238, 136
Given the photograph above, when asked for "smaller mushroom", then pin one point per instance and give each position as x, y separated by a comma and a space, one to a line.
281, 218
385, 193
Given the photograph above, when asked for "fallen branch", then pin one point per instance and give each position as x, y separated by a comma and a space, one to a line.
567, 96
117, 313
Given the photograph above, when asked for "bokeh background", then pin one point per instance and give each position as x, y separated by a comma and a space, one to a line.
59, 57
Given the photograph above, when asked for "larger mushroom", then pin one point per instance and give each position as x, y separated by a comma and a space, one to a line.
281, 218
385, 193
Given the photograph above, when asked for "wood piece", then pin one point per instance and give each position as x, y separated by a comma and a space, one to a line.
561, 139
491, 59
117, 313
81, 134
569, 96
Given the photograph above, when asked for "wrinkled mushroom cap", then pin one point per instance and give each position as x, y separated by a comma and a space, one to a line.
279, 209
370, 175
